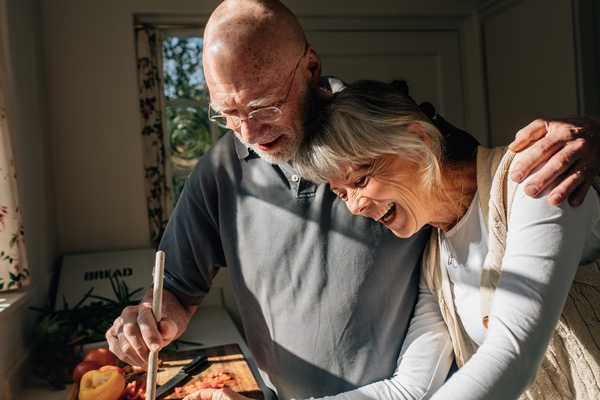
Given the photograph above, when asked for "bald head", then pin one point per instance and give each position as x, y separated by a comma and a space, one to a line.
256, 57
249, 36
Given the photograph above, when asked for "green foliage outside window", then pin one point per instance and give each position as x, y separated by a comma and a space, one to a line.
182, 66
190, 132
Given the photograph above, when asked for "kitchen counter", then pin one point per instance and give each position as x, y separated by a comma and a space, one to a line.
211, 326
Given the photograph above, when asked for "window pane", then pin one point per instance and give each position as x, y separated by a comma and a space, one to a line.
189, 135
182, 65
190, 132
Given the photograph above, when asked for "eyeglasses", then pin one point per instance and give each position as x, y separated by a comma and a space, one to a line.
264, 115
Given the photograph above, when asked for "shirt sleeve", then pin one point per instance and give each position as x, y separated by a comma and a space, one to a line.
192, 241
424, 361
543, 249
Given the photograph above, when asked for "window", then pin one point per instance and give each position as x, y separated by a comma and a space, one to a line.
189, 131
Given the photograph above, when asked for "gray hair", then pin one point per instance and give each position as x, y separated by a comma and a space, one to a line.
366, 120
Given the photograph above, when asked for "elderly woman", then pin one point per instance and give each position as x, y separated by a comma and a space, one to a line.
516, 279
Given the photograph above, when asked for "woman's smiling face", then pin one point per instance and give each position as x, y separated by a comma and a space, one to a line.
389, 190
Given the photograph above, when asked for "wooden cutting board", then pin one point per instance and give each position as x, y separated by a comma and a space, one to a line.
228, 358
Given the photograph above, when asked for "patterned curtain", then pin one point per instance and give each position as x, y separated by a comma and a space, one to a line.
159, 195
13, 263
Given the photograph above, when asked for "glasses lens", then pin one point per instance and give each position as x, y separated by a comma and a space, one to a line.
265, 115
220, 120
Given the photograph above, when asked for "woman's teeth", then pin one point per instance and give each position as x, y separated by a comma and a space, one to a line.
385, 214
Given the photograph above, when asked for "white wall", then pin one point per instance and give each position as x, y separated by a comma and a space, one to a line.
587, 39
23, 74
31, 136
93, 104
530, 62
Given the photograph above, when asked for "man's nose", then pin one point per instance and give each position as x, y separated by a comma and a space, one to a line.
250, 130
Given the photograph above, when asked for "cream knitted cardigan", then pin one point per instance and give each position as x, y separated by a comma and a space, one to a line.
571, 366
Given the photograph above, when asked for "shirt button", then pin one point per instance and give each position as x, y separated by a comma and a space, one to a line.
295, 178
485, 321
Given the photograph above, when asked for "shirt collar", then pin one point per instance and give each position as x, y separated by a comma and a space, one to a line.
242, 150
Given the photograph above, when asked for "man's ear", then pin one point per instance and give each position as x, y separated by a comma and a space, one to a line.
416, 129
314, 65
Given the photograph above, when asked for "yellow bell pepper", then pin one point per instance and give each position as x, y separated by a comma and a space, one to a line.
101, 385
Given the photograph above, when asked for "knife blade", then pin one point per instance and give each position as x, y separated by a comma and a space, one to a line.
182, 374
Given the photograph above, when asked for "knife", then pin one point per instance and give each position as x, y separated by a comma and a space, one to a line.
181, 375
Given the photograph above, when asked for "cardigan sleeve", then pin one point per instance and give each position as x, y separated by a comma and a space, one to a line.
544, 245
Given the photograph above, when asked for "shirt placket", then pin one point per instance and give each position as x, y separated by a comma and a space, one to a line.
301, 188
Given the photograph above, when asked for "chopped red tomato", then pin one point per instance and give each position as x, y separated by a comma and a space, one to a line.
214, 380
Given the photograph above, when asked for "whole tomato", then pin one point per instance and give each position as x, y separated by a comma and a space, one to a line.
82, 368
116, 368
101, 356
101, 385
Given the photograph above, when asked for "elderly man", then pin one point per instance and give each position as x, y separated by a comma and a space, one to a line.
325, 304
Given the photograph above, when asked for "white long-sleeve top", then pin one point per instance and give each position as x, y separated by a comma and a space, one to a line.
544, 246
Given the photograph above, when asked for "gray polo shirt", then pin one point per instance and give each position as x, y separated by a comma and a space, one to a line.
325, 297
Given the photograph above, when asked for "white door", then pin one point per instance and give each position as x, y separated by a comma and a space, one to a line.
429, 61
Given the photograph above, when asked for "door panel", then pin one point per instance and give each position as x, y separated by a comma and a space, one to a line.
429, 61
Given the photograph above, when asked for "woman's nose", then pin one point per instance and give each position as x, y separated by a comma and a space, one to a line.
356, 204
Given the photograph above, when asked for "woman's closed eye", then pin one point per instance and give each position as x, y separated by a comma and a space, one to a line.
361, 181
341, 194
